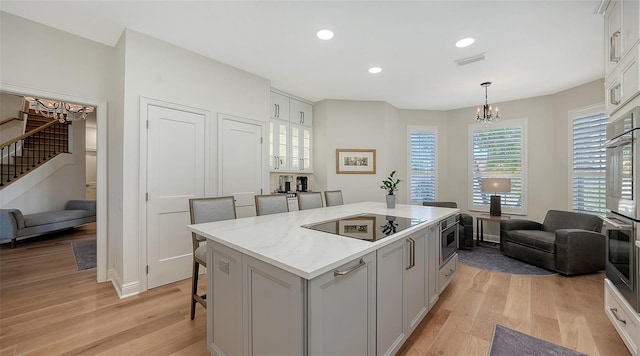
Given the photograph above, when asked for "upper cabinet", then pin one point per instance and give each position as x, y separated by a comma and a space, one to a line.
622, 34
279, 107
290, 135
300, 113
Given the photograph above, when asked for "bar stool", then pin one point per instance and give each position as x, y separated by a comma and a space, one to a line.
204, 210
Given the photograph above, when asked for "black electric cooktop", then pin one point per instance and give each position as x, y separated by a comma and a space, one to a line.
368, 227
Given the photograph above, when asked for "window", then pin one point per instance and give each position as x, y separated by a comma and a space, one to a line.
422, 163
499, 151
588, 160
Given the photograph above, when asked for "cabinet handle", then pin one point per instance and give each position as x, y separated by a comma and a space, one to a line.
615, 313
302, 117
277, 110
613, 47
342, 273
412, 253
613, 95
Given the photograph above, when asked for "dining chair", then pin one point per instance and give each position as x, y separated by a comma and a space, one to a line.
333, 197
309, 200
271, 204
204, 210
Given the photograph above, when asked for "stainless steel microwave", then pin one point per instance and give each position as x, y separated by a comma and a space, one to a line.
622, 161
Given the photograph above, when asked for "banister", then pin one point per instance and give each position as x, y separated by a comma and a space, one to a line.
11, 119
30, 133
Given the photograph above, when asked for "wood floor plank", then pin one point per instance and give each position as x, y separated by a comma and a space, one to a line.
47, 307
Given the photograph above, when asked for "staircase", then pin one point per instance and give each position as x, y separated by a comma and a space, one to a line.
43, 139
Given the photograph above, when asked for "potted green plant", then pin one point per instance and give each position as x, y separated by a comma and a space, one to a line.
391, 186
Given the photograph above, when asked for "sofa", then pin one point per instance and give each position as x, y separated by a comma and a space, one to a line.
16, 226
566, 242
465, 230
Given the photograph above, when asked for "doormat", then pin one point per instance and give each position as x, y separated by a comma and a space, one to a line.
491, 259
85, 254
508, 342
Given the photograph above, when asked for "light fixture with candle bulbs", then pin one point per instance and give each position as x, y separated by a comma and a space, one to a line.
59, 110
487, 117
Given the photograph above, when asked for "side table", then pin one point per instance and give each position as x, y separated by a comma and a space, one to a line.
480, 219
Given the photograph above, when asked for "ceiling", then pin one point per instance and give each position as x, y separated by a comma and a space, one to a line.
533, 47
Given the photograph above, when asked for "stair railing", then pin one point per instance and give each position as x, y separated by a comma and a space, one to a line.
44, 143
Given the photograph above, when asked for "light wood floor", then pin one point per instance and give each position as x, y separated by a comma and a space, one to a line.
47, 307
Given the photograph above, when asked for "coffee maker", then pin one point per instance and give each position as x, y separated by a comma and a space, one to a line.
301, 184
284, 184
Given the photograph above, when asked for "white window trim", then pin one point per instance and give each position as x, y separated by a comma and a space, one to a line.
522, 123
421, 128
574, 114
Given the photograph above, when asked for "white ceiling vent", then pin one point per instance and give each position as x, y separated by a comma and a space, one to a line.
472, 59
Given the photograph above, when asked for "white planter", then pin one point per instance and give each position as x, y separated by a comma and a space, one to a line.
391, 201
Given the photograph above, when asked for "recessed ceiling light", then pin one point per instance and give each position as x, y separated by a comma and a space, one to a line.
465, 42
375, 70
325, 35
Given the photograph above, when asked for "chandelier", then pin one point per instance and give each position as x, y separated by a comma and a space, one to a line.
59, 110
487, 117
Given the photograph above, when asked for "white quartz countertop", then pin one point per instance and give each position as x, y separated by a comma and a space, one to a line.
279, 239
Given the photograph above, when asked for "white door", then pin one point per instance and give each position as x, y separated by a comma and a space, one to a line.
241, 163
175, 173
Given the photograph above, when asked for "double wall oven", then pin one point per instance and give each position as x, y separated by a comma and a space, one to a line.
622, 203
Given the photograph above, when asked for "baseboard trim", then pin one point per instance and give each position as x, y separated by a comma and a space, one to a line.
123, 290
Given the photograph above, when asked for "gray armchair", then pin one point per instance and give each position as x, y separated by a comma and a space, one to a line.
566, 242
466, 223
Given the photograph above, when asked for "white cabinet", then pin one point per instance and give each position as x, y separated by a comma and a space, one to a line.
447, 271
622, 316
624, 82
433, 261
622, 74
301, 148
293, 204
290, 135
279, 107
255, 308
342, 310
300, 113
279, 145
392, 331
416, 288
613, 35
402, 290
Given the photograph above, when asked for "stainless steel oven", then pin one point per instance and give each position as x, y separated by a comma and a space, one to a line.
622, 201
448, 238
622, 256
621, 155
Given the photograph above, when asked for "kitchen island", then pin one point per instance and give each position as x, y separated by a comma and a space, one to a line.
277, 287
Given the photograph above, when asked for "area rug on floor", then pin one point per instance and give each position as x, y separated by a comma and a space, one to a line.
85, 254
508, 342
491, 259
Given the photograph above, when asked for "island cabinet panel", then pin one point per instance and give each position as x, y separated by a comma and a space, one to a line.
416, 287
433, 261
274, 322
402, 290
392, 328
224, 331
342, 309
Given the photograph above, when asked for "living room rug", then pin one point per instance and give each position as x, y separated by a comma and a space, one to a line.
491, 259
85, 254
508, 342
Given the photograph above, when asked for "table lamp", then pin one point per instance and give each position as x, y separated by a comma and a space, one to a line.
496, 185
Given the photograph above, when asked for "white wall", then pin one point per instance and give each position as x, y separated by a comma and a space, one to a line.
67, 56
10, 106
336, 121
158, 70
360, 125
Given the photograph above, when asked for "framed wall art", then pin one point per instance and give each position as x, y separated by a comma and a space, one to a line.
355, 161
